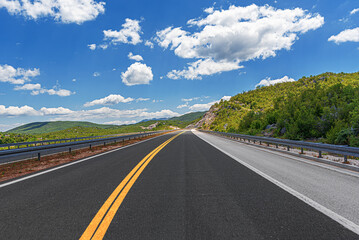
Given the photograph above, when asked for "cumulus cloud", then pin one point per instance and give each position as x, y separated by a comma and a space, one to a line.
149, 44
107, 113
183, 105
96, 74
348, 35
92, 46
20, 76
354, 11
268, 81
135, 57
61, 113
136, 74
36, 89
17, 75
130, 33
17, 111
29, 87
109, 100
55, 111
202, 67
65, 11
228, 37
54, 91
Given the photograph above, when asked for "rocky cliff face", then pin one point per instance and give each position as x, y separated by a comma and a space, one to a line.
207, 119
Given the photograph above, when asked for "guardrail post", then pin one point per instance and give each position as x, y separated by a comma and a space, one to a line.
345, 159
320, 154
260, 142
267, 144
69, 150
301, 151
38, 156
90, 147
104, 143
288, 148
276, 146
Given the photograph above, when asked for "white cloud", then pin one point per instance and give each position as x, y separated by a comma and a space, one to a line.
17, 111
135, 57
55, 111
136, 74
202, 68
268, 81
61, 113
228, 37
103, 46
53, 91
149, 44
109, 100
107, 113
17, 75
36, 89
226, 98
354, 11
206, 106
74, 80
66, 11
201, 106
142, 99
130, 33
349, 35
183, 105
121, 122
29, 87
96, 74
92, 46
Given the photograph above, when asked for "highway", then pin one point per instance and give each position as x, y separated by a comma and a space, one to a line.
183, 185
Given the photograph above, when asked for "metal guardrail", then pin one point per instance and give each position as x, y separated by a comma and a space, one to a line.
345, 151
8, 146
89, 141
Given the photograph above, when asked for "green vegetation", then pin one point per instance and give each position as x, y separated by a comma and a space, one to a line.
319, 108
46, 127
13, 138
71, 129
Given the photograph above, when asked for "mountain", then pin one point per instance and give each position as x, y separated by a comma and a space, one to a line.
46, 127
60, 129
319, 108
189, 117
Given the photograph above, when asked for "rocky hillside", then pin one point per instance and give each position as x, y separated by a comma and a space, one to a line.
322, 108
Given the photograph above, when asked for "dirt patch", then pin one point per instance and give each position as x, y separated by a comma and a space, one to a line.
18, 169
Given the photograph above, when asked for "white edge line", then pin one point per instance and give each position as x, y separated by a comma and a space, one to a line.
72, 163
296, 158
336, 217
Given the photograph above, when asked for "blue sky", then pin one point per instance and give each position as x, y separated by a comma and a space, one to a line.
123, 61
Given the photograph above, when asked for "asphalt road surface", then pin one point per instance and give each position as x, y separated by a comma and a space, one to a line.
183, 186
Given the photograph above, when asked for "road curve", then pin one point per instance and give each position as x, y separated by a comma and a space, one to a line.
182, 187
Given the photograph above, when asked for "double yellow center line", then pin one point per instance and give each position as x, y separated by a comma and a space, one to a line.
100, 223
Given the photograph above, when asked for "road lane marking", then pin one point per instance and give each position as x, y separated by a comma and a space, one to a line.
102, 220
73, 163
336, 217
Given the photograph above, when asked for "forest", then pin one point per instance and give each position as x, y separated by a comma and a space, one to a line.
323, 108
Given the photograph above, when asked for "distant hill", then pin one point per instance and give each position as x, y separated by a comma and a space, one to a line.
59, 129
189, 117
321, 108
46, 127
